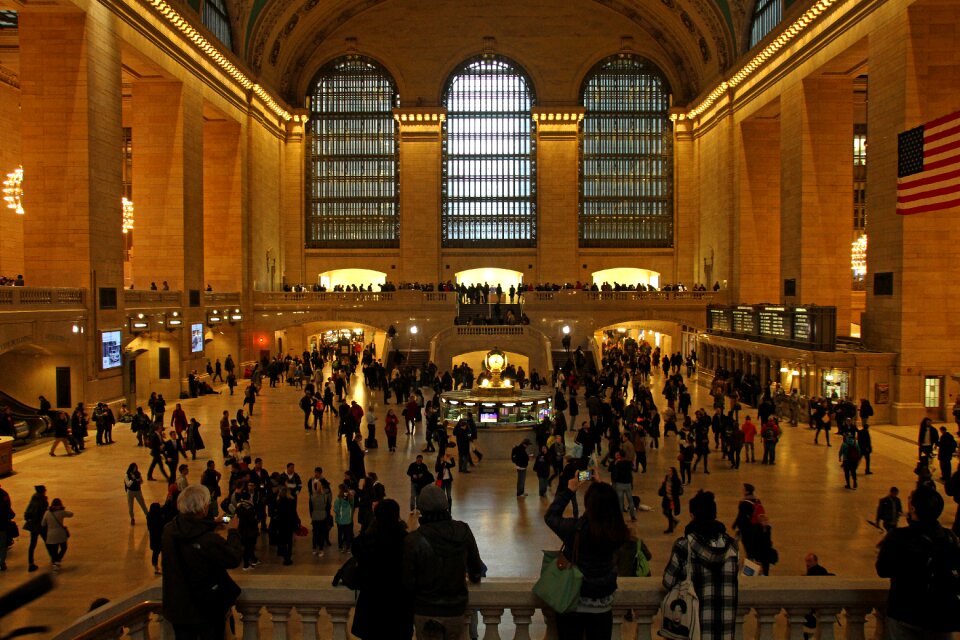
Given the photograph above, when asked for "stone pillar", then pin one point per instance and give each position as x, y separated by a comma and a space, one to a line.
167, 129
914, 71
816, 192
558, 193
222, 201
420, 159
715, 197
757, 227
71, 140
292, 213
686, 232
11, 224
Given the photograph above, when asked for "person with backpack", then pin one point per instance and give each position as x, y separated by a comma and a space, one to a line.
922, 561
521, 460
770, 434
850, 459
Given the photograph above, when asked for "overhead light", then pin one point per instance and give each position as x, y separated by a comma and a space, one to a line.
414, 330
566, 330
783, 369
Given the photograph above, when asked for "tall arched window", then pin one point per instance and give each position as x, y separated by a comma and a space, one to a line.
626, 156
216, 18
489, 166
352, 158
766, 15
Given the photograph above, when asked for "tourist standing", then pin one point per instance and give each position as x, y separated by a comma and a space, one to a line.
133, 485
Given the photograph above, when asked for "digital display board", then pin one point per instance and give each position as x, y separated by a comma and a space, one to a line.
196, 338
110, 349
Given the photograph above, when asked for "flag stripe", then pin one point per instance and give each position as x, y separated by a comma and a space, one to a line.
942, 120
935, 206
935, 151
933, 137
953, 188
922, 182
946, 162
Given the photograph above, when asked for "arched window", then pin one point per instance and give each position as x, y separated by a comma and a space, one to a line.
216, 18
352, 157
489, 166
766, 15
626, 156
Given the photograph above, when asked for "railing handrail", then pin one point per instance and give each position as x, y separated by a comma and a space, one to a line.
134, 297
42, 296
644, 595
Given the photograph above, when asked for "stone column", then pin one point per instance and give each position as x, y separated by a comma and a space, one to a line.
421, 150
167, 128
686, 231
11, 224
914, 71
222, 198
816, 192
292, 212
558, 193
71, 140
757, 228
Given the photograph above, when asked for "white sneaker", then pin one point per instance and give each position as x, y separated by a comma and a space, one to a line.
320, 554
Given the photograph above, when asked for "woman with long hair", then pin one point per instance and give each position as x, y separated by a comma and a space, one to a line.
56, 531
133, 483
384, 610
591, 541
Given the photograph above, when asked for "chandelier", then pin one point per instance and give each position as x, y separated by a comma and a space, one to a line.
127, 214
13, 190
858, 257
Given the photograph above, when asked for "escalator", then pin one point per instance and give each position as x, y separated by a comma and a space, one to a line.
28, 423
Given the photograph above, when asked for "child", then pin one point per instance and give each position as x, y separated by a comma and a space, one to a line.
343, 516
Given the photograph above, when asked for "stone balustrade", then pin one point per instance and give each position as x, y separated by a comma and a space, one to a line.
306, 300
307, 607
579, 296
491, 330
221, 298
41, 297
149, 299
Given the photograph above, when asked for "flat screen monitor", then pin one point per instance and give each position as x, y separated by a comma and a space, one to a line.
110, 349
196, 338
488, 416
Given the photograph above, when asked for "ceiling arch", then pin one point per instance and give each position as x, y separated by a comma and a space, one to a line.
696, 40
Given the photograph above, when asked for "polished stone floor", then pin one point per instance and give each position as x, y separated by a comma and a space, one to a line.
804, 496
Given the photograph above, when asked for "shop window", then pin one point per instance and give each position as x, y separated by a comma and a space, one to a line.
352, 157
489, 156
836, 383
626, 156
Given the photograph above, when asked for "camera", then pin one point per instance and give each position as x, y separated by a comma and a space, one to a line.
226, 519
585, 476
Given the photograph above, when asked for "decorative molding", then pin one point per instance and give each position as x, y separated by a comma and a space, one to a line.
9, 77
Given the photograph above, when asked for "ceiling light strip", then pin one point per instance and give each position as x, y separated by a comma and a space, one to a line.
787, 35
212, 52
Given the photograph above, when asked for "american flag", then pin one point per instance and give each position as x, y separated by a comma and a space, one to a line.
928, 166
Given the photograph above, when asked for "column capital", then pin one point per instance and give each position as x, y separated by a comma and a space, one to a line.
296, 125
558, 122
420, 123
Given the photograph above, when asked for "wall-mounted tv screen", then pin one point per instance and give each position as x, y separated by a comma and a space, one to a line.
196, 338
110, 349
488, 416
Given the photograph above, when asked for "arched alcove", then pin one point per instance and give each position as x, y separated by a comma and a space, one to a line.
627, 276
347, 277
492, 276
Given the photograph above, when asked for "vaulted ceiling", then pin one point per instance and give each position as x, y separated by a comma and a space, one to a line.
286, 41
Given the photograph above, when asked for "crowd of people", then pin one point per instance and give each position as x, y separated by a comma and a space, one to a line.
416, 582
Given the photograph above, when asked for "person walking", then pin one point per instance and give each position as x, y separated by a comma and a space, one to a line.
521, 460
889, 510
670, 491
384, 609
343, 517
928, 438
711, 556
946, 448
541, 467
194, 440
420, 477
133, 485
390, 429
591, 542
321, 504
850, 459
33, 517
61, 432
749, 430
621, 476
866, 447
155, 442
155, 524
770, 434
285, 522
57, 532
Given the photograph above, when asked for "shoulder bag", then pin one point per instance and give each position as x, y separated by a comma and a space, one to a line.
680, 611
560, 579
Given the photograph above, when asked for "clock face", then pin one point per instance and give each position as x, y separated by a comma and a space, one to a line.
495, 361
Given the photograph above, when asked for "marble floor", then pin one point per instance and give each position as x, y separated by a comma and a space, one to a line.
804, 496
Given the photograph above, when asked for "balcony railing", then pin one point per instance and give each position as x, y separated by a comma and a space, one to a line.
330, 299
308, 607
577, 296
139, 299
221, 298
41, 297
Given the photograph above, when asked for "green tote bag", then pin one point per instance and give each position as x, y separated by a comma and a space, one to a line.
559, 583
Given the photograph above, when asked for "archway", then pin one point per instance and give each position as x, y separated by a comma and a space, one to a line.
348, 277
627, 276
492, 276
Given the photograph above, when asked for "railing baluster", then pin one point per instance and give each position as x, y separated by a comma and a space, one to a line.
880, 629
825, 621
741, 614
250, 618
855, 620
138, 629
491, 620
279, 616
644, 619
339, 616
166, 629
766, 619
618, 615
521, 620
309, 616
796, 619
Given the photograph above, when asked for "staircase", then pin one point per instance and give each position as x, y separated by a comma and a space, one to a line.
560, 358
417, 359
468, 313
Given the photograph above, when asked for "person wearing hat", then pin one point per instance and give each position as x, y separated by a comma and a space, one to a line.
435, 559
521, 459
32, 517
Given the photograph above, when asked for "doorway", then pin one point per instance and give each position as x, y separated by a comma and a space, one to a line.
933, 397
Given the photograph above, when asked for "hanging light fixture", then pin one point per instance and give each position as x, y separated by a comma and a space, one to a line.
858, 257
13, 190
127, 214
